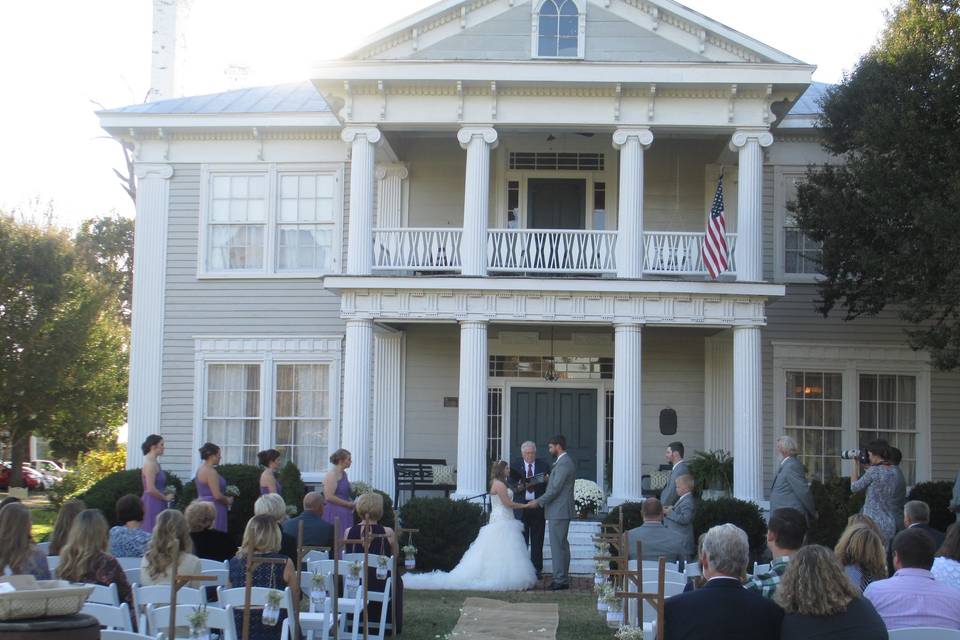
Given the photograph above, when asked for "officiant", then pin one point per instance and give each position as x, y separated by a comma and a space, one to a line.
528, 477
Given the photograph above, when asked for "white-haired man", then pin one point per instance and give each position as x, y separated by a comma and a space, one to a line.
790, 488
522, 471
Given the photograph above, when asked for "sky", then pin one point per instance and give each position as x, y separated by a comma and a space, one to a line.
61, 59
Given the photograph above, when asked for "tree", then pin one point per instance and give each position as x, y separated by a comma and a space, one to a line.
888, 215
63, 360
105, 245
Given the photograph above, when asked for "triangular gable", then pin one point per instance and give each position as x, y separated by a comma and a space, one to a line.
616, 31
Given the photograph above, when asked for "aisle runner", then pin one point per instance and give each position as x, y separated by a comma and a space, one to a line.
484, 619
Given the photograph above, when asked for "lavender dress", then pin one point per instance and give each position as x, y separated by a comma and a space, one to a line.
203, 492
264, 490
152, 506
333, 511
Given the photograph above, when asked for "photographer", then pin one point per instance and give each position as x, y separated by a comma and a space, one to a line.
880, 481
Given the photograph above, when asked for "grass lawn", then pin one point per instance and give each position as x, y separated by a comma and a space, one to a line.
428, 614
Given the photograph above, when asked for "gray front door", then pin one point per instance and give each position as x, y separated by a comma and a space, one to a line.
536, 414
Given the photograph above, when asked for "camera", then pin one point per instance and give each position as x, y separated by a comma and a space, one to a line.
855, 454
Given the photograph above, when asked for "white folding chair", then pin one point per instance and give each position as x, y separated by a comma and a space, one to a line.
760, 568
651, 586
129, 563
324, 567
316, 555
145, 598
924, 633
221, 619
104, 594
133, 575
44, 546
383, 597
692, 570
230, 599
654, 565
110, 634
222, 577
53, 562
109, 616
206, 564
312, 621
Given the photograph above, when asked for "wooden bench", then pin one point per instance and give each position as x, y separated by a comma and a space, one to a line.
410, 474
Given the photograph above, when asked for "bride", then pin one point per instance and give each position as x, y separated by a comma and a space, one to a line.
497, 560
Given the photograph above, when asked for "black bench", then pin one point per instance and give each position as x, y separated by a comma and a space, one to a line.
410, 474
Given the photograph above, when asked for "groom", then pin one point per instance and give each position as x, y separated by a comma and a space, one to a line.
557, 503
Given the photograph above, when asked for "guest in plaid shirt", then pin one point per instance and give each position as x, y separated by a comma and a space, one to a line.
785, 533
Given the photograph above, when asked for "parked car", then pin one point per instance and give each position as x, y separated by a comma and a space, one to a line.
31, 478
49, 466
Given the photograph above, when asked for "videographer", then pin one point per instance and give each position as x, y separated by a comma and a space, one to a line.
880, 480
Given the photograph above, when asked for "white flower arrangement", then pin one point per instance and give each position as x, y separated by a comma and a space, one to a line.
291, 510
232, 490
170, 492
629, 632
409, 550
587, 496
355, 568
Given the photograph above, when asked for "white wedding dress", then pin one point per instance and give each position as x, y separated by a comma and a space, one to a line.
498, 560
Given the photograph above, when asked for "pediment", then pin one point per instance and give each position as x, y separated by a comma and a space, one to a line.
612, 30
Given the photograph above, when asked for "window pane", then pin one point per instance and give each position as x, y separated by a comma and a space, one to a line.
794, 384
794, 412
831, 443
886, 415
868, 415
907, 416
906, 388
547, 45
813, 413
887, 388
868, 387
833, 413
791, 240
548, 25
790, 262
832, 386
812, 441
569, 26
567, 47
813, 385
233, 407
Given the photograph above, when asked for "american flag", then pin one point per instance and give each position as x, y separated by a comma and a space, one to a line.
715, 243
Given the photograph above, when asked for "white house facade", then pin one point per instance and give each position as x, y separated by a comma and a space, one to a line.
484, 226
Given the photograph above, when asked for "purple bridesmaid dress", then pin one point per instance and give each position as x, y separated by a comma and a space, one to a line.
333, 511
152, 506
203, 492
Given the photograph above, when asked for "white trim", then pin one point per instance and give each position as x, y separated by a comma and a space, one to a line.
781, 173
851, 361
535, 7
123, 121
267, 352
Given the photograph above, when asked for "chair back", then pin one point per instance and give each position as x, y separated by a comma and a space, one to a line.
104, 594
133, 575
324, 567
44, 546
221, 619
111, 634
235, 597
110, 616
222, 577
383, 597
315, 554
923, 633
145, 598
654, 566
206, 564
129, 563
760, 568
53, 562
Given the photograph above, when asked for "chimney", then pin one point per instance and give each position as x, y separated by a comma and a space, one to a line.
168, 49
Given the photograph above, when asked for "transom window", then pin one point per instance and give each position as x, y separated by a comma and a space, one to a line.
558, 29
814, 414
888, 411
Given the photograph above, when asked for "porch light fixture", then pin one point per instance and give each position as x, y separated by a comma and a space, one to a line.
549, 369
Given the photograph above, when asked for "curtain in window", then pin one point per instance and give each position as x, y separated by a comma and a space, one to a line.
302, 414
232, 416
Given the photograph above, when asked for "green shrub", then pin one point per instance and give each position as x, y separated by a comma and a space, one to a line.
104, 493
245, 477
632, 517
91, 467
291, 485
446, 529
938, 496
357, 489
745, 515
832, 500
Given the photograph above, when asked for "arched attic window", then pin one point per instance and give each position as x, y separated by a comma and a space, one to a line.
557, 29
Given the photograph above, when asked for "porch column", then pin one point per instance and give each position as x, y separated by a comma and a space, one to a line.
749, 255
364, 141
386, 442
478, 141
472, 411
748, 415
627, 414
358, 395
149, 269
631, 142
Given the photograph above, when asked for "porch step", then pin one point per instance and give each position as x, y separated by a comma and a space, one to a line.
580, 537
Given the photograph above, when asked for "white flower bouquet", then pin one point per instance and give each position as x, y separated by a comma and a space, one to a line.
198, 623
628, 632
232, 491
291, 510
382, 564
587, 497
170, 493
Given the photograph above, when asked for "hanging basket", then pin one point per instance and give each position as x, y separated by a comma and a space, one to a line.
271, 615
317, 596
614, 618
410, 562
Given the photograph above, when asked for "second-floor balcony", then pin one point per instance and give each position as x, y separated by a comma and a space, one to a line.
427, 251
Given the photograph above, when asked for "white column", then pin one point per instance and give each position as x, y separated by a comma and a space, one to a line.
478, 141
472, 410
364, 141
146, 340
718, 393
390, 179
357, 395
747, 408
627, 414
386, 443
631, 142
749, 211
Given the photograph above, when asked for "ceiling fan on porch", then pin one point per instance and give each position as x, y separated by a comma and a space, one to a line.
549, 368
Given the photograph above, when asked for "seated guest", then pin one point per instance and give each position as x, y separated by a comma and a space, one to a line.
8, 500
679, 517
912, 598
369, 507
61, 528
859, 518
18, 554
785, 533
916, 515
84, 557
208, 542
860, 552
262, 537
946, 566
820, 603
127, 539
171, 538
722, 609
655, 539
317, 532
271, 504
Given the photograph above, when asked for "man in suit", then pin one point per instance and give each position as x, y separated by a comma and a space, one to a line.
654, 537
316, 531
916, 515
557, 503
790, 488
534, 524
722, 609
679, 517
674, 456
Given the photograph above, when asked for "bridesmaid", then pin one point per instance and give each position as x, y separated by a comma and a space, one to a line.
336, 490
211, 486
270, 461
154, 482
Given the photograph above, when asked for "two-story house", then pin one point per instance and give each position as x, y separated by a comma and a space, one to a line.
485, 225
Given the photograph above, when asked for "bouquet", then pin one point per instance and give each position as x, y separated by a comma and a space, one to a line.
170, 493
382, 563
232, 491
352, 581
291, 510
198, 623
604, 595
628, 632
587, 497
318, 588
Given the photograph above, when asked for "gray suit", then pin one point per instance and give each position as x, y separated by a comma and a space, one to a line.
669, 494
680, 520
790, 488
557, 503
955, 496
656, 540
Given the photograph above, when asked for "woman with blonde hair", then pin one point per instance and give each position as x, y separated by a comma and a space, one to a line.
860, 552
336, 490
61, 528
820, 603
85, 559
208, 542
171, 539
262, 538
859, 518
271, 504
18, 554
370, 510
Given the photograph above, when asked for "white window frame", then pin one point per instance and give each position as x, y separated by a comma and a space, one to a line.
782, 173
272, 172
268, 352
851, 361
535, 31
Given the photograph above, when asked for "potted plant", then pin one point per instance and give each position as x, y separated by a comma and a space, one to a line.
409, 556
604, 595
198, 623
318, 590
628, 632
271, 611
382, 564
587, 497
598, 577
713, 473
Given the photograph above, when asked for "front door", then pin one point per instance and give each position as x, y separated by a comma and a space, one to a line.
536, 414
556, 203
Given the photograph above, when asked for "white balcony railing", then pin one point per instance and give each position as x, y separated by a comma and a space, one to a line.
680, 253
551, 251
416, 248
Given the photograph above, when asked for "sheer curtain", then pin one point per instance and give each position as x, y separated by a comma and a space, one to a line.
302, 414
232, 417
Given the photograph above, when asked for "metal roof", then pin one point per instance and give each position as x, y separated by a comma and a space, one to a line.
809, 102
294, 97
